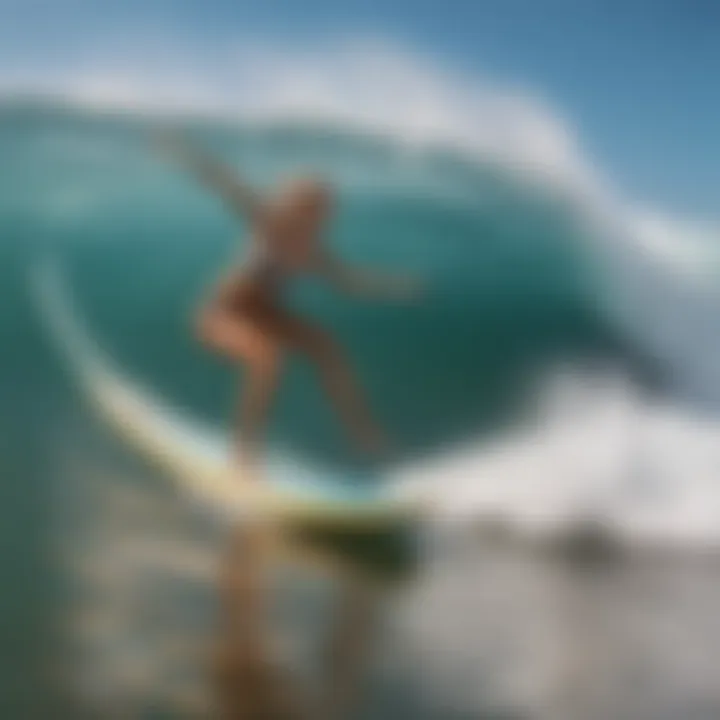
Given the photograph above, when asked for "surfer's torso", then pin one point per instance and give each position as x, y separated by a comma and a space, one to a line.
263, 276
264, 271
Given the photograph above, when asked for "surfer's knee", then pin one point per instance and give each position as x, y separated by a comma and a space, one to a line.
265, 356
229, 335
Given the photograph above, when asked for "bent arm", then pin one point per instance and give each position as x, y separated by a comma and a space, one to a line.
365, 282
214, 174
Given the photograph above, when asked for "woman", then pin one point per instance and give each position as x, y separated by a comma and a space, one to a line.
246, 319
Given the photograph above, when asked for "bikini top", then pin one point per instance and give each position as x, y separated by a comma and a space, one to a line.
264, 268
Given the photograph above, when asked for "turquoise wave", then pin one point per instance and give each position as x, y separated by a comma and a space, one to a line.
506, 265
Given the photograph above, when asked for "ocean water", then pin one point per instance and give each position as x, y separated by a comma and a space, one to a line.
558, 366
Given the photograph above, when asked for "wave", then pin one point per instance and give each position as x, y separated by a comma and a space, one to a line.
345, 95
498, 175
600, 452
369, 86
601, 448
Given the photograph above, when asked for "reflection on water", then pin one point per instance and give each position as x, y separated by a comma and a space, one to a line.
488, 629
519, 631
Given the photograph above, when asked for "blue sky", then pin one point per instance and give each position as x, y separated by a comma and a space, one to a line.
636, 78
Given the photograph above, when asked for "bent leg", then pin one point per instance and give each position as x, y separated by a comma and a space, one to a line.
246, 339
259, 339
338, 381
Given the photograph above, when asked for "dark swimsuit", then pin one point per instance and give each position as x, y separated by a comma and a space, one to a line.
258, 286
264, 272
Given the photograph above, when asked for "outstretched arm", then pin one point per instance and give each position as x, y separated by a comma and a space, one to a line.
217, 176
365, 282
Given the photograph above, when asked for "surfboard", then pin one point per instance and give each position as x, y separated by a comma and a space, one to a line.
197, 459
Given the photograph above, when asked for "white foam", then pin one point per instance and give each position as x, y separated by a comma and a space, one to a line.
647, 469
363, 83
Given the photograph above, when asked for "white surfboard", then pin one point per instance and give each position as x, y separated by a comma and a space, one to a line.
194, 456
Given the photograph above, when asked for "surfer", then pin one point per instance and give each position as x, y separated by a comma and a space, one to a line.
245, 318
